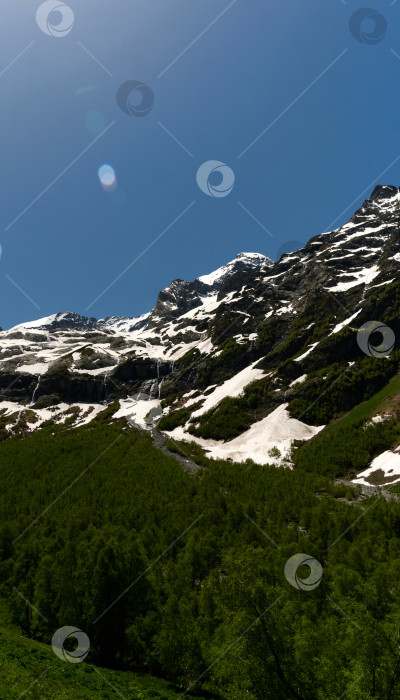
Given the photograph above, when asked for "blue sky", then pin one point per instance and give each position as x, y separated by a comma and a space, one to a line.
328, 104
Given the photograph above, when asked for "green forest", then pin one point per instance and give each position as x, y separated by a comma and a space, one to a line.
182, 578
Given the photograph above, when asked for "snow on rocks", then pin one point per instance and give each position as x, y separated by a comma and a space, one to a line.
285, 309
248, 260
135, 411
58, 413
363, 276
39, 323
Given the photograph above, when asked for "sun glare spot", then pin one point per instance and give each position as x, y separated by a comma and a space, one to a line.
107, 177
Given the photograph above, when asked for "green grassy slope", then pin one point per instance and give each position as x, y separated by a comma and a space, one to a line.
381, 401
24, 661
348, 445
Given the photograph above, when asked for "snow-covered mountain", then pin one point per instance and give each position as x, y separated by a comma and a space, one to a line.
173, 301
252, 331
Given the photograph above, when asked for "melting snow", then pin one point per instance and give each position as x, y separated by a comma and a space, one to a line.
344, 323
38, 368
136, 411
284, 309
307, 352
232, 387
299, 380
278, 430
388, 462
364, 276
56, 413
381, 284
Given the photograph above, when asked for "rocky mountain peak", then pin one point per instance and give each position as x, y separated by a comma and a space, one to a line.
174, 301
384, 192
384, 204
60, 320
243, 261
181, 296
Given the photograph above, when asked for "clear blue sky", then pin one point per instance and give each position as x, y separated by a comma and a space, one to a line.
238, 78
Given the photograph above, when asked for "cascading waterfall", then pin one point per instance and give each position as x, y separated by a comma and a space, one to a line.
105, 376
35, 391
20, 412
152, 389
158, 379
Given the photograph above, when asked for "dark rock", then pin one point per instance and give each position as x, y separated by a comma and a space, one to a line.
47, 400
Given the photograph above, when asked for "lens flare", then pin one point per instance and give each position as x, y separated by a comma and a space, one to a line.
107, 177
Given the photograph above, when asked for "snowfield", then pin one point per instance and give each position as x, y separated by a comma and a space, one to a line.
277, 430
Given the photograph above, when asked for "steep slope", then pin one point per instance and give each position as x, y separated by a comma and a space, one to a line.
301, 318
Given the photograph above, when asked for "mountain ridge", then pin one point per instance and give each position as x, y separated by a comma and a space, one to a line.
205, 284
239, 361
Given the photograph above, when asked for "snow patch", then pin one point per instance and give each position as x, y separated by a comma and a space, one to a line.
344, 323
252, 260
38, 368
364, 276
388, 462
232, 387
135, 411
307, 352
299, 380
277, 430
